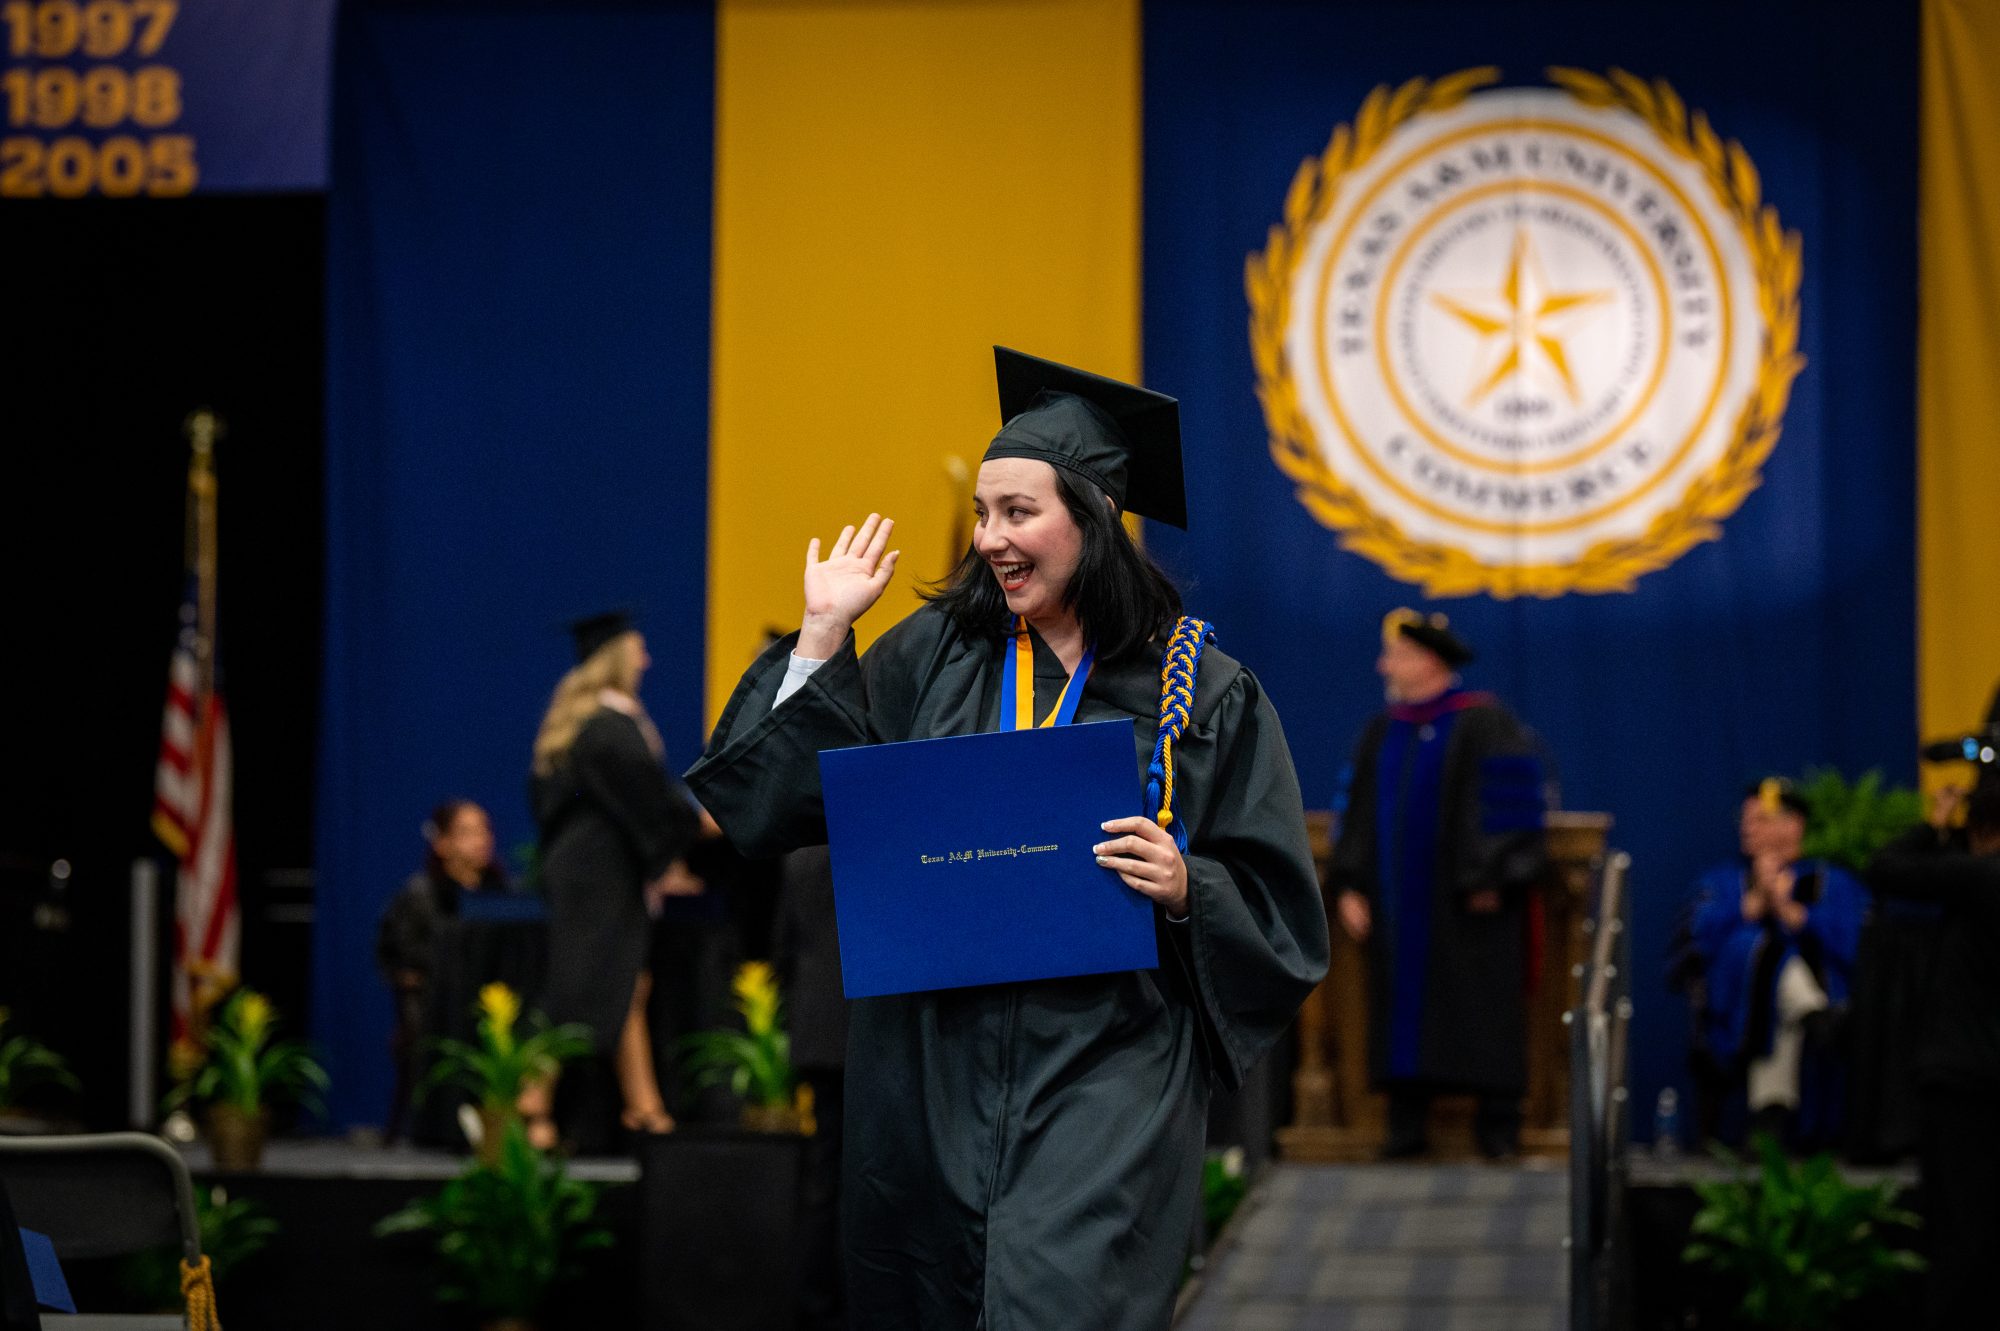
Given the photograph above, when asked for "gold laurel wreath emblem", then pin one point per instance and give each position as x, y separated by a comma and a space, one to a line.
1608, 566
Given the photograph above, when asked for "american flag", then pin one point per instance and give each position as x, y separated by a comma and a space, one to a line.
191, 786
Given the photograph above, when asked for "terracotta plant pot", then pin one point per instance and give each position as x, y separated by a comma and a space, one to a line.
507, 1324
770, 1118
236, 1136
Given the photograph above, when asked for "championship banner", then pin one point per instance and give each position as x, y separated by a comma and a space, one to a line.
163, 98
1589, 325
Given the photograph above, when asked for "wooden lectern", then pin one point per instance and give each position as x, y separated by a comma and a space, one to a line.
1336, 1117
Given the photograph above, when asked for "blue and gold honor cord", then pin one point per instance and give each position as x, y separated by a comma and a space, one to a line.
1017, 705
1177, 673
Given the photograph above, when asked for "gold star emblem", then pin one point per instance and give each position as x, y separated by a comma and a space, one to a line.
1520, 313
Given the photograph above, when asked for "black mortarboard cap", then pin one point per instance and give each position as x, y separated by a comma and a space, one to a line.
591, 634
1432, 632
1125, 439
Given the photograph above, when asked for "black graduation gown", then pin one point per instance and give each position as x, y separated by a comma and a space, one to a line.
806, 945
1472, 1033
1027, 1156
610, 823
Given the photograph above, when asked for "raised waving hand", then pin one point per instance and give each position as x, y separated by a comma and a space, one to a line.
841, 587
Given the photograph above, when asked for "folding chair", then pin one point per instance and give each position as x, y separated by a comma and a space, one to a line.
106, 1195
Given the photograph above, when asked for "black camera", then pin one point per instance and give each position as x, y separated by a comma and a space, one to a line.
1980, 746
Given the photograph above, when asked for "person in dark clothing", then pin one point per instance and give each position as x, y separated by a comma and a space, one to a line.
1028, 1155
1768, 941
1440, 849
1958, 1058
613, 833
806, 945
459, 859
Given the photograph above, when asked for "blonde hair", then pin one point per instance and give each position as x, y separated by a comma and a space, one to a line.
578, 696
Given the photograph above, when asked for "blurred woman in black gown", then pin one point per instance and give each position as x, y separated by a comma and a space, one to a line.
613, 830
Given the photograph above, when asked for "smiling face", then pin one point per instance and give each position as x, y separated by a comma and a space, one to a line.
1026, 535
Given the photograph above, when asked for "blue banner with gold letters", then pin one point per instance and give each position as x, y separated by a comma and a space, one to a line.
1588, 325
163, 98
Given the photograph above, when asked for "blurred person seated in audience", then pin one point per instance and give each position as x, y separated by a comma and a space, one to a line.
1958, 1051
1765, 953
459, 859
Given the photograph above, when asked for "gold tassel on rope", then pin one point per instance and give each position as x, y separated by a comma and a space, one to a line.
198, 1293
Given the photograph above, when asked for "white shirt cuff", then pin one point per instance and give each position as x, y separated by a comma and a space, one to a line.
797, 671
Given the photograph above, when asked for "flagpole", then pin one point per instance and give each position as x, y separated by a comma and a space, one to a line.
198, 980
203, 428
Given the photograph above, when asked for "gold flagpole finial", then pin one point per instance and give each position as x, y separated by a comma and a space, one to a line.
203, 428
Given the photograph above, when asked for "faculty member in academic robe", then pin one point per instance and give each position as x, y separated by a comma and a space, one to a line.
1439, 853
1028, 1156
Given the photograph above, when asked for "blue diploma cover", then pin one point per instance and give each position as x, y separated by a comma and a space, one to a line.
969, 860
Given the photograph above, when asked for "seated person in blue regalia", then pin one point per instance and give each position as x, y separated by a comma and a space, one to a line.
1766, 954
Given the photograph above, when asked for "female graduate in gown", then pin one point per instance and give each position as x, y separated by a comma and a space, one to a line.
1027, 1156
613, 831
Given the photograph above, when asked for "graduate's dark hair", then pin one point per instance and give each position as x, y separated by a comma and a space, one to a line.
1119, 594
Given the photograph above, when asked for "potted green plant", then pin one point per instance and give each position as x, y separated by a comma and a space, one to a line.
26, 1062
496, 1069
232, 1231
508, 1234
1799, 1240
244, 1071
755, 1062
1223, 1188
1851, 821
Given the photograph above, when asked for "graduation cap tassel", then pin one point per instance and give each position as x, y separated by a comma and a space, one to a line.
1177, 676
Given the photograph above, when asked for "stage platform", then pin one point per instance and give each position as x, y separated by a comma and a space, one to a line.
331, 1158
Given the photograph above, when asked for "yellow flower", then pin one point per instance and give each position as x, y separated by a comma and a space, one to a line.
756, 990
253, 1015
500, 1004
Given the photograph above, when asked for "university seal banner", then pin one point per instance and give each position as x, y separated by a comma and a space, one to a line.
1615, 368
1525, 340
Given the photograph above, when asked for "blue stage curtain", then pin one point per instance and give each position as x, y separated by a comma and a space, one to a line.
1786, 643
517, 423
